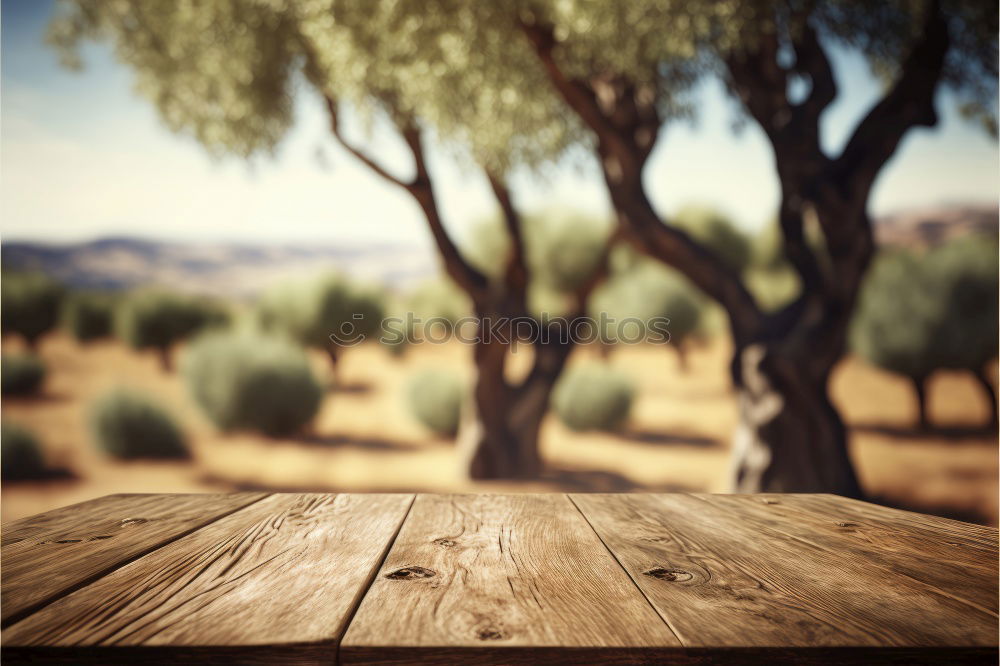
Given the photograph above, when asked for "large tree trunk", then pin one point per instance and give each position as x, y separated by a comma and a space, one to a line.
499, 436
789, 437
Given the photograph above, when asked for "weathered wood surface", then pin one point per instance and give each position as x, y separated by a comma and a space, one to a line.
287, 571
768, 578
481, 572
61, 550
497, 579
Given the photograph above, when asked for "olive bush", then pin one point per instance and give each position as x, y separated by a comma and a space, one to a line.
435, 399
247, 381
593, 397
130, 426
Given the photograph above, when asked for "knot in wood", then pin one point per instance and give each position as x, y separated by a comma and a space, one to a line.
847, 524
768, 500
410, 573
490, 634
672, 575
444, 543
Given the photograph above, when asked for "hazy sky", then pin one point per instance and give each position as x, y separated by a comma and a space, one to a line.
83, 156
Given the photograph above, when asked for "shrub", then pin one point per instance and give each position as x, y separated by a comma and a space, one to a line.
89, 315
440, 299
593, 397
130, 426
158, 319
21, 374
649, 292
774, 288
252, 382
435, 399
20, 454
30, 305
716, 231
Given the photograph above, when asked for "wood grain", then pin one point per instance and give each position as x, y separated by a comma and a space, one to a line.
954, 566
918, 524
500, 578
47, 556
280, 577
723, 577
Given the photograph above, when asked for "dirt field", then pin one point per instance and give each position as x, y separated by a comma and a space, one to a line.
365, 440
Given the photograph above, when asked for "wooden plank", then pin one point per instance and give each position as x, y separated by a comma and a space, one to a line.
501, 578
278, 578
62, 519
50, 555
930, 527
722, 578
955, 568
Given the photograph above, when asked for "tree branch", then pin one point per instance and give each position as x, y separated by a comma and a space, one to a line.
625, 138
909, 103
473, 282
516, 273
332, 107
811, 59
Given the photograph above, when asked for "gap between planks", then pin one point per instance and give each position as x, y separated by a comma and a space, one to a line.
627, 572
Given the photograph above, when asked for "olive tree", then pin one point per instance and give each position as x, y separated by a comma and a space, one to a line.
894, 327
225, 73
327, 313
920, 313
30, 305
623, 67
965, 272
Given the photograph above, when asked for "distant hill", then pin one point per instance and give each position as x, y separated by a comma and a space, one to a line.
927, 227
242, 270
225, 269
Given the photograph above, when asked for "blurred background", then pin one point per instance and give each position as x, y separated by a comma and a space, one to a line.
167, 309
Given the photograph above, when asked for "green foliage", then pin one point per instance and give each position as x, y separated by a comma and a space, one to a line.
22, 374
29, 305
562, 249
129, 426
918, 313
435, 399
965, 272
158, 319
20, 454
773, 289
331, 305
593, 397
894, 321
220, 71
646, 290
89, 315
718, 233
439, 299
252, 382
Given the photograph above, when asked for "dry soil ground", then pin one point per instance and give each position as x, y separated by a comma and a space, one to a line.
365, 440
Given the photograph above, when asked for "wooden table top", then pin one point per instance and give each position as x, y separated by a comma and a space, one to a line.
477, 579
